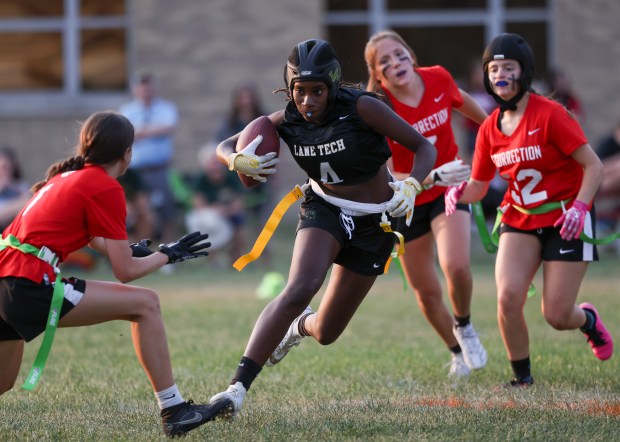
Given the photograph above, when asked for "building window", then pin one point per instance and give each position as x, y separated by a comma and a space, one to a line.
103, 61
451, 33
37, 68
63, 50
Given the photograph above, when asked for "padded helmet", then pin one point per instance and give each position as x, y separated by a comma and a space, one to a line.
313, 60
509, 47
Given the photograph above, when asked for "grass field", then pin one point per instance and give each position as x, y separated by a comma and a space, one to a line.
384, 379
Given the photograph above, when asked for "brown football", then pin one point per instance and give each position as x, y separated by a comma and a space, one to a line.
271, 142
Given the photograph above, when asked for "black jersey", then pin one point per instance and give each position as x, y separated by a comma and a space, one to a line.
340, 150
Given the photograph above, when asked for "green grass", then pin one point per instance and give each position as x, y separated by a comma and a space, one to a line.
384, 379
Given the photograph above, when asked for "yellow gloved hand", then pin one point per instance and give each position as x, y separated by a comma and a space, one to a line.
248, 163
403, 201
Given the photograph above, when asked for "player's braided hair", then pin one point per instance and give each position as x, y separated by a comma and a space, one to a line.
104, 138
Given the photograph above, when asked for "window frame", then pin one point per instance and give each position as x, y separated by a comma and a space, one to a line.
493, 18
70, 99
489, 20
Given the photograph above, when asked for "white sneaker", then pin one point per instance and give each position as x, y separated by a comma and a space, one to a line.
291, 339
235, 393
458, 367
473, 352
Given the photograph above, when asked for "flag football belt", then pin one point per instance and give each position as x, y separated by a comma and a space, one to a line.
353, 208
46, 255
491, 241
298, 192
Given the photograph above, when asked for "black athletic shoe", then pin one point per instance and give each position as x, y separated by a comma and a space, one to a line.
520, 382
184, 417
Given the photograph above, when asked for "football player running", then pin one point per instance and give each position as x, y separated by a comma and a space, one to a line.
553, 174
425, 97
336, 134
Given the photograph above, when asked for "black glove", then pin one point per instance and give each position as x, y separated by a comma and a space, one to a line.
186, 247
141, 249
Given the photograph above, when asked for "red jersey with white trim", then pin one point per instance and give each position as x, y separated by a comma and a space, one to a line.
433, 119
535, 160
63, 216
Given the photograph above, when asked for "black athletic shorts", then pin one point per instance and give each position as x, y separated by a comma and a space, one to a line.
554, 248
25, 306
365, 247
422, 217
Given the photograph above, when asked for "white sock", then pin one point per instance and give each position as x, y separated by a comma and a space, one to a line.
239, 387
169, 397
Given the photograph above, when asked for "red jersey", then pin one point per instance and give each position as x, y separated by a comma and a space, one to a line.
535, 160
433, 119
64, 215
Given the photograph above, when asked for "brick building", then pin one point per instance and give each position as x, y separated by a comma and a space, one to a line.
60, 60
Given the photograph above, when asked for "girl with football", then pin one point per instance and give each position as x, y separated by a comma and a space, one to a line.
348, 196
425, 98
553, 174
80, 202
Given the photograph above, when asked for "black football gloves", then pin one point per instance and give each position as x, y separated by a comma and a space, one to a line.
141, 249
186, 247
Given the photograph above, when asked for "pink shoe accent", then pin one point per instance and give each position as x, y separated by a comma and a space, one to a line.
599, 339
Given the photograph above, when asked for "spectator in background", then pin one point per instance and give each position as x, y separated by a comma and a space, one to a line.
609, 147
608, 196
561, 90
139, 213
246, 106
218, 203
155, 121
14, 191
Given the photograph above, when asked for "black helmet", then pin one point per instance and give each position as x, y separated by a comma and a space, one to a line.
313, 60
509, 47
